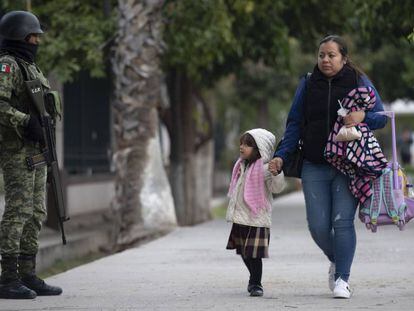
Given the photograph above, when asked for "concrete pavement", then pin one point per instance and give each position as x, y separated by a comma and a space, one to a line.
189, 269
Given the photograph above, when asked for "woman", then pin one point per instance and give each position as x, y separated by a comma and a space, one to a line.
330, 206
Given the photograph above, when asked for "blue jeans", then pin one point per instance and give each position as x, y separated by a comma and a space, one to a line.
330, 212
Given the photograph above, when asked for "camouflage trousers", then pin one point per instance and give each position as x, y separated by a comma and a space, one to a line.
25, 209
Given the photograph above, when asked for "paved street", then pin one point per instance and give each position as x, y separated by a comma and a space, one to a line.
190, 269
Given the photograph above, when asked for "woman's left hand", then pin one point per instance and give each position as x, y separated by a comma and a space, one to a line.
354, 118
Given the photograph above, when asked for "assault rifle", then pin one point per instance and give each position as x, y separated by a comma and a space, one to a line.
48, 155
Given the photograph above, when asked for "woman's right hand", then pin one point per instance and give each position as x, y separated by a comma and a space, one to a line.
275, 165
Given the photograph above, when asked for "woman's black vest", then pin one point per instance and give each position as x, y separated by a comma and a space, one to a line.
321, 105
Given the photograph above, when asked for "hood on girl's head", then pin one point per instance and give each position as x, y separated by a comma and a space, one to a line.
265, 141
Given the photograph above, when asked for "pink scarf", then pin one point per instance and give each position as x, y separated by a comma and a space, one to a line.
254, 192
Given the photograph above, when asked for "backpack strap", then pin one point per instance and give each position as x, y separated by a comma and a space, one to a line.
376, 200
303, 123
388, 196
383, 195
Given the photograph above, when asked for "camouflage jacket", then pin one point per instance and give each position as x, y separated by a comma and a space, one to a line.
15, 105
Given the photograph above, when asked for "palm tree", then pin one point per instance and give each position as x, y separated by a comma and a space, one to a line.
142, 193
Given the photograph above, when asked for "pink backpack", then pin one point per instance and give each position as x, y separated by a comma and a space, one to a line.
388, 203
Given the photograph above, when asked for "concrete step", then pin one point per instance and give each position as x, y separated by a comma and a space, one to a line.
79, 244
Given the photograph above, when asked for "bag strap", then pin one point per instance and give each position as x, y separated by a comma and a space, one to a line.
307, 77
303, 123
389, 199
382, 194
376, 200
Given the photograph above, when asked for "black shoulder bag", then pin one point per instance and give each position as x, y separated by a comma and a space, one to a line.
293, 167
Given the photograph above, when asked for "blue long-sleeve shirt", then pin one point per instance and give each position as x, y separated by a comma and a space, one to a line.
295, 118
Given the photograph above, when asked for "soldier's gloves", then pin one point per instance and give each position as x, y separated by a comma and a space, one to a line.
33, 131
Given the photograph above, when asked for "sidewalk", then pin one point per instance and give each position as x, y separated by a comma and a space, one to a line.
190, 269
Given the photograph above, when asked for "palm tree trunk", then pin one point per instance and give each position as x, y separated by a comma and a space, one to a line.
142, 193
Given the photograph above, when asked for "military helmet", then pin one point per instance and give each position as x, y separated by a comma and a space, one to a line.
17, 25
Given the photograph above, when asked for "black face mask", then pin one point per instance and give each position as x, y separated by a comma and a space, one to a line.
21, 49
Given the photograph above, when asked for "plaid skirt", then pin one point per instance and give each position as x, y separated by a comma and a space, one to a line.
249, 242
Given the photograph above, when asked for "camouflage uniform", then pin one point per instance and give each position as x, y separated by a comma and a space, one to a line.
20, 134
24, 189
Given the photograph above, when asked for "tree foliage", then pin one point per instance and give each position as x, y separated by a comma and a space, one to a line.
77, 33
309, 21
385, 35
391, 68
385, 20
211, 38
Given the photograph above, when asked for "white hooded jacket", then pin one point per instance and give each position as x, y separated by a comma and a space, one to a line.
238, 212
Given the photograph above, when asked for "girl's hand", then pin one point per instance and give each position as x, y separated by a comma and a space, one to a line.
275, 166
354, 118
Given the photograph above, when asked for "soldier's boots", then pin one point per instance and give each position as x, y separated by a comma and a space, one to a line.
10, 285
27, 272
40, 287
14, 289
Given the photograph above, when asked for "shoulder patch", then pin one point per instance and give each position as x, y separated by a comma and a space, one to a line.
6, 68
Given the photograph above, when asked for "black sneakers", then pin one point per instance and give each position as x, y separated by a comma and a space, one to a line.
249, 287
255, 290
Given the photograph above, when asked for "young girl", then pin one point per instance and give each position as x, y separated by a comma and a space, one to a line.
250, 206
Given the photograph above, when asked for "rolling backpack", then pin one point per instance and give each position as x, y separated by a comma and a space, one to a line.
390, 202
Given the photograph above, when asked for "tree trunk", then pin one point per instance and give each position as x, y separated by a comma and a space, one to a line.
263, 114
191, 151
142, 193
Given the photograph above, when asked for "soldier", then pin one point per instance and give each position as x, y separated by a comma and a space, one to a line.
20, 136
